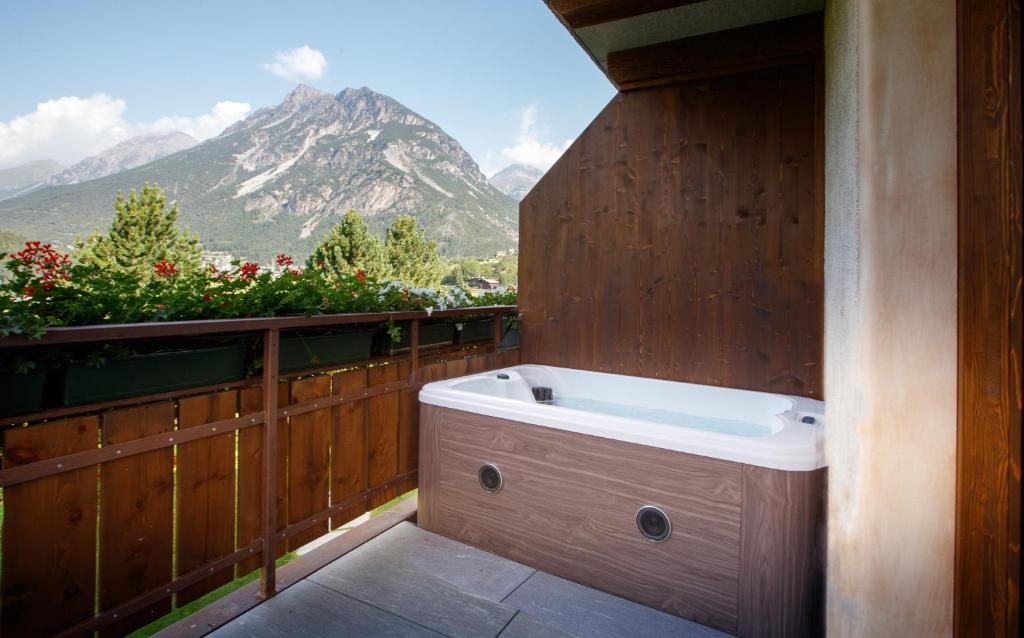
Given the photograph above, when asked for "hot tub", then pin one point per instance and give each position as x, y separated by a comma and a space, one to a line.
702, 501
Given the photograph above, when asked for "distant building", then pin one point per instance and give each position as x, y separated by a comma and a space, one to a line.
482, 283
221, 260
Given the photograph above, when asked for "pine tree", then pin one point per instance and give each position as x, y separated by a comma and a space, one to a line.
414, 260
348, 247
144, 231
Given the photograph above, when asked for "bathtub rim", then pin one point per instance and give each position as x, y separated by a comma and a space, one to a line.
796, 447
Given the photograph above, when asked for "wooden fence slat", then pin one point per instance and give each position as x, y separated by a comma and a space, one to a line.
136, 515
348, 445
478, 363
49, 534
408, 432
206, 492
456, 368
309, 461
382, 435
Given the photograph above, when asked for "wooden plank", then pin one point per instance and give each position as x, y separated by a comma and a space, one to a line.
782, 553
429, 462
989, 308
782, 42
456, 368
585, 13
206, 492
309, 458
348, 445
250, 476
408, 432
568, 507
382, 434
136, 515
49, 532
692, 209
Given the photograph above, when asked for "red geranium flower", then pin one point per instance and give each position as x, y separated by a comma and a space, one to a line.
164, 268
284, 260
361, 276
249, 270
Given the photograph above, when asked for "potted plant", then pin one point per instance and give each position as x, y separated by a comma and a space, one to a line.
129, 371
304, 350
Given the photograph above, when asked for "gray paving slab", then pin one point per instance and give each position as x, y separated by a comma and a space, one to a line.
590, 613
526, 626
430, 580
313, 611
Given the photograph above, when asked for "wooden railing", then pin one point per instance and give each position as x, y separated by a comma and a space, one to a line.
116, 513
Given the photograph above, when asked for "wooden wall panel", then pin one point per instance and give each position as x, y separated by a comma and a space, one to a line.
348, 445
987, 581
136, 515
681, 237
382, 435
206, 492
309, 461
49, 535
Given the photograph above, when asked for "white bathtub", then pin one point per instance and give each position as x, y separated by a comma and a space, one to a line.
756, 428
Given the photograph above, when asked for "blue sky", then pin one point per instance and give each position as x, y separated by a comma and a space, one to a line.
502, 76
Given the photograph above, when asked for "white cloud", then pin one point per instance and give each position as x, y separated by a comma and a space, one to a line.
529, 147
72, 128
303, 63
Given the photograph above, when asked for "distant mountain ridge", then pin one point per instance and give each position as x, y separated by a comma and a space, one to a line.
279, 179
18, 178
128, 154
516, 180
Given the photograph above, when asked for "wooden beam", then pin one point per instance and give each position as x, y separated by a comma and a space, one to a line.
990, 265
778, 43
587, 13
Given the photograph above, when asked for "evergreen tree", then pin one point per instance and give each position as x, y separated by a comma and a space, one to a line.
144, 231
414, 260
348, 247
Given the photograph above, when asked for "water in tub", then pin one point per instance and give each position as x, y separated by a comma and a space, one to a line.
510, 384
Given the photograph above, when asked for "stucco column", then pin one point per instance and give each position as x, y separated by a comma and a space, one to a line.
890, 319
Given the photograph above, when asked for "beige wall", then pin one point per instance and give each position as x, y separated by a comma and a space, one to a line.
890, 324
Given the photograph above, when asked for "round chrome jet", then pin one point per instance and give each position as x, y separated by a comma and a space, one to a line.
653, 523
490, 477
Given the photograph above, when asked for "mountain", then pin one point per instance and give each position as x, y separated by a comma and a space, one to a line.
516, 180
121, 157
282, 177
18, 178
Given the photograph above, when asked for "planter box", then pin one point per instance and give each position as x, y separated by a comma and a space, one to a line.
511, 338
476, 330
21, 393
432, 335
303, 353
145, 374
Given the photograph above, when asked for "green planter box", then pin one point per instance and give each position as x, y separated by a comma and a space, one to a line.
476, 330
303, 353
21, 393
144, 374
432, 335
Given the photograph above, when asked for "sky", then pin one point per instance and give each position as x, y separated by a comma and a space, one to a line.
503, 77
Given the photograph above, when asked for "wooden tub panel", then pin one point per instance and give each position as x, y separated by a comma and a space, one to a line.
568, 506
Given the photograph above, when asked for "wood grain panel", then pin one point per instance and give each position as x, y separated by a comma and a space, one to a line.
689, 222
782, 561
309, 460
987, 577
382, 435
584, 529
792, 40
206, 492
348, 445
49, 532
585, 13
136, 515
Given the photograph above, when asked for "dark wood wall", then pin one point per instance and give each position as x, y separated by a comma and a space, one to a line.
988, 561
681, 237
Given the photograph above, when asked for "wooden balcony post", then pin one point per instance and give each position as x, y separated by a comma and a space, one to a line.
268, 575
414, 351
